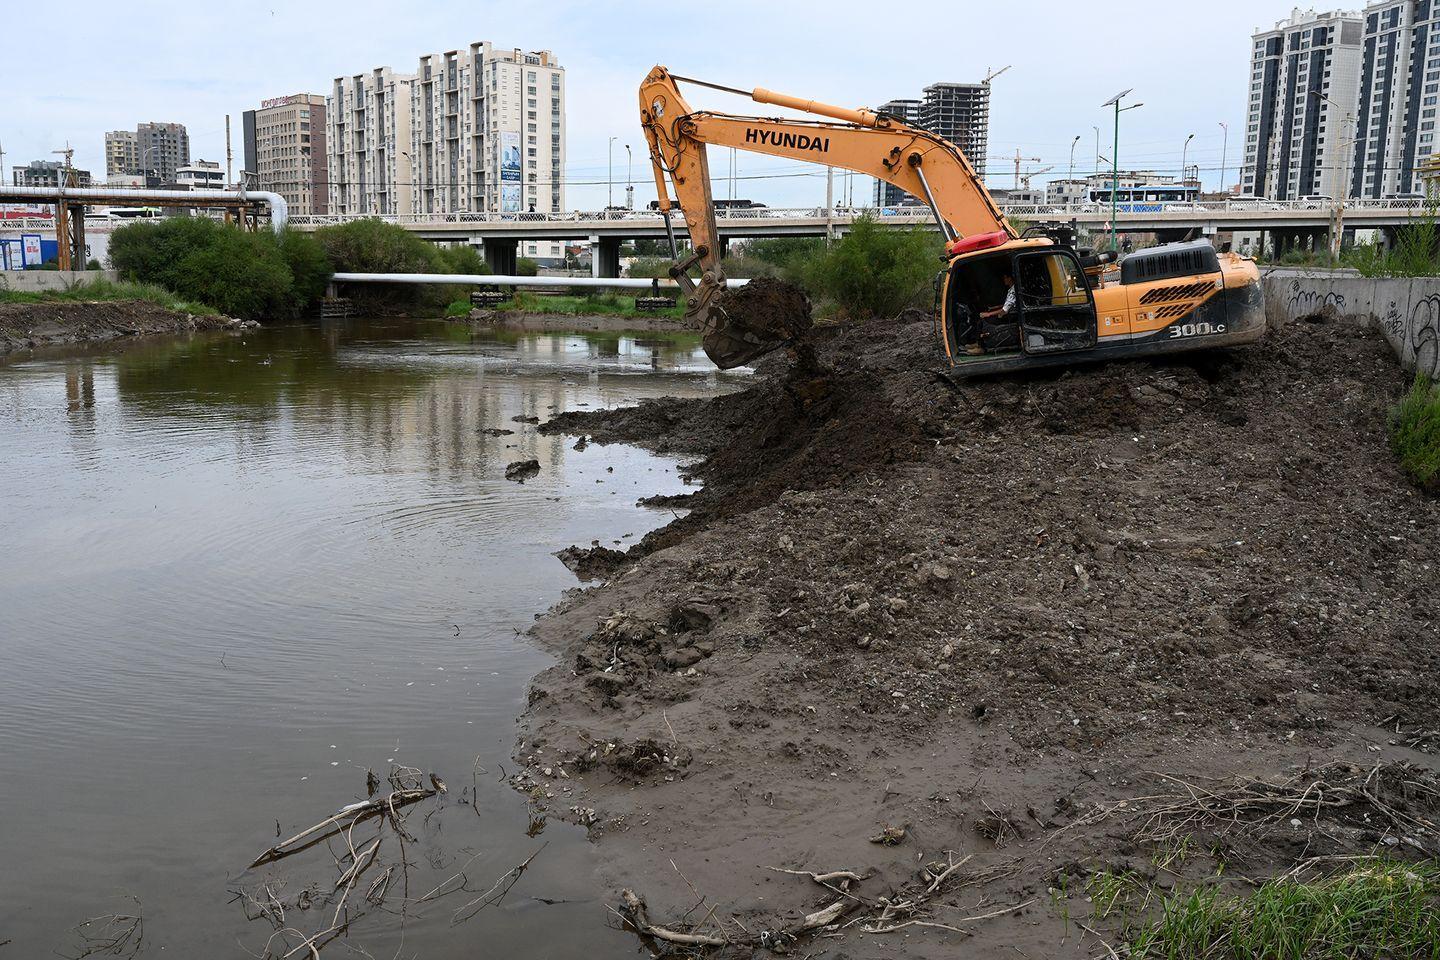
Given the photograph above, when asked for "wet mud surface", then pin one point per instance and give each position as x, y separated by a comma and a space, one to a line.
27, 326
984, 612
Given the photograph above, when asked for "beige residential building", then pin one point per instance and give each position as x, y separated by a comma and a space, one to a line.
368, 136
122, 154
488, 134
489, 131
285, 151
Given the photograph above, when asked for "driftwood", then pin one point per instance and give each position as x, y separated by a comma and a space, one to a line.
346, 817
632, 909
910, 906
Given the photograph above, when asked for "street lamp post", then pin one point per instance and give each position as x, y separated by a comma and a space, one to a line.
610, 177
1071, 175
1097, 150
1184, 166
629, 179
1224, 154
1115, 164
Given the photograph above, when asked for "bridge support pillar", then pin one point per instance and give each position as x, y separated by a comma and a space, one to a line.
604, 257
500, 255
70, 232
723, 245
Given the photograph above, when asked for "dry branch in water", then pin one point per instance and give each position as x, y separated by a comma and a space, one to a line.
113, 935
347, 816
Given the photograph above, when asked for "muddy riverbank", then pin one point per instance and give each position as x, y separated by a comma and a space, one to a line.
28, 326
970, 620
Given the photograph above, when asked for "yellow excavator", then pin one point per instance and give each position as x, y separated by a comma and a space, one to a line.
1006, 301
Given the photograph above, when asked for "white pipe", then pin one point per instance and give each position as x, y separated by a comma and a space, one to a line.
631, 283
279, 209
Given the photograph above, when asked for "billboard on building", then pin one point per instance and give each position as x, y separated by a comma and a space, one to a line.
509, 171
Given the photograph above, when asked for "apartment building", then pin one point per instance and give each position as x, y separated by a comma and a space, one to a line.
474, 129
122, 154
368, 138
488, 134
162, 149
960, 113
201, 175
1400, 82
285, 151
1304, 85
47, 173
908, 112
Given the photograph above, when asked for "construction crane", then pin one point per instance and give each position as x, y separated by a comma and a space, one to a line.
1027, 177
1006, 301
1018, 161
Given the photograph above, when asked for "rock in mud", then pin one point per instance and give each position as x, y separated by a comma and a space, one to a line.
497, 432
592, 563
522, 470
524, 419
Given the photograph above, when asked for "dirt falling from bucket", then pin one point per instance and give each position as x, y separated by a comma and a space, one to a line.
750, 321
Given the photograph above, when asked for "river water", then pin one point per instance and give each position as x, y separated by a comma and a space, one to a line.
237, 572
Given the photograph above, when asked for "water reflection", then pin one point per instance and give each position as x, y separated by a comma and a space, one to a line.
241, 570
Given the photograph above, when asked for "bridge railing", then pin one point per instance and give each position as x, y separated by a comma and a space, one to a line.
840, 214
897, 214
1232, 208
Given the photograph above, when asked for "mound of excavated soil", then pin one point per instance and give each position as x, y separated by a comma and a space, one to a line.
25, 326
985, 608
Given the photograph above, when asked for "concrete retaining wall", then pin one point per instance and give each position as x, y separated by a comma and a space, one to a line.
38, 281
1407, 311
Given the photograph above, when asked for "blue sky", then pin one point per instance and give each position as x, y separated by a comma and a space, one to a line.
193, 63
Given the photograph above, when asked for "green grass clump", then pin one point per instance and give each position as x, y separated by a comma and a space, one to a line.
1377, 910
106, 290
457, 308
1415, 433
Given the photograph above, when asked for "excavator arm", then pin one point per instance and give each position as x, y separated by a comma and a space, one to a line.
917, 162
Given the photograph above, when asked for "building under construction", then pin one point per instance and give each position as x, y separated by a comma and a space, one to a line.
958, 112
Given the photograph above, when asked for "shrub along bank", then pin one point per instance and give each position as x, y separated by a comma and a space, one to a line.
374, 246
254, 276
268, 276
1415, 433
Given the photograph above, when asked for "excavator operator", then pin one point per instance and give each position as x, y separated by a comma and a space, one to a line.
1004, 313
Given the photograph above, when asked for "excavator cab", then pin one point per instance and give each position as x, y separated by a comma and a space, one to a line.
1053, 311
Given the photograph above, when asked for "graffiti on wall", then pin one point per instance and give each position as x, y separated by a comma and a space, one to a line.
1310, 303
1420, 336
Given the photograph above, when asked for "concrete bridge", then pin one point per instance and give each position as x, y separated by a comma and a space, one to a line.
1282, 224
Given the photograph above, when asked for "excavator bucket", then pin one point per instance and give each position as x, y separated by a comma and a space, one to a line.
744, 323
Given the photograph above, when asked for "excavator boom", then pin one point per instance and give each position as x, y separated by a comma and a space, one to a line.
866, 142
